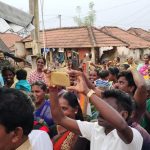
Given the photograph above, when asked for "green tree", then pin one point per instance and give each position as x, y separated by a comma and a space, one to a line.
78, 19
88, 20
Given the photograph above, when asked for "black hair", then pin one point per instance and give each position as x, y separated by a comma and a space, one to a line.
103, 74
123, 100
8, 68
16, 110
80, 69
114, 71
90, 55
95, 70
41, 57
126, 66
69, 60
73, 102
147, 55
129, 77
118, 59
21, 74
41, 84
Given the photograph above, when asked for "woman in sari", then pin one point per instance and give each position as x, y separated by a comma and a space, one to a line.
147, 77
66, 140
42, 105
144, 68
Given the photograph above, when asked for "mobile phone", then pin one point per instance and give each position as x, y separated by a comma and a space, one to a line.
60, 79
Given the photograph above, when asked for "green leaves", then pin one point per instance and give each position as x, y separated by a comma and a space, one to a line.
88, 20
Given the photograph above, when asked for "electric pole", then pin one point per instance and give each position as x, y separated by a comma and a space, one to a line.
34, 10
59, 16
31, 11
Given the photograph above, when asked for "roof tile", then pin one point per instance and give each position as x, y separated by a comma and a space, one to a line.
9, 39
73, 37
133, 40
140, 32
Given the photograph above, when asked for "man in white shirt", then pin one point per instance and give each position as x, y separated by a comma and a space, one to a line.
111, 132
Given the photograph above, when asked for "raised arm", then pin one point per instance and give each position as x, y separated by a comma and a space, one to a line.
96, 65
58, 115
140, 94
88, 82
117, 121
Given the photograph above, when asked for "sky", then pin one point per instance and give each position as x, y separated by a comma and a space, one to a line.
121, 13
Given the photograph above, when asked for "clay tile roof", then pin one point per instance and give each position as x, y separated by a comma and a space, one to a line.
103, 39
3, 47
68, 37
140, 32
9, 39
73, 37
133, 41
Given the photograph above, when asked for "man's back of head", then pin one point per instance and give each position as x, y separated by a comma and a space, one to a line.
16, 118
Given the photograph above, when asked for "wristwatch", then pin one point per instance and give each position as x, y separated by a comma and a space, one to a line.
90, 93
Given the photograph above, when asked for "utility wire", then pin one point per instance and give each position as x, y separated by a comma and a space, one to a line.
140, 16
131, 15
116, 6
43, 25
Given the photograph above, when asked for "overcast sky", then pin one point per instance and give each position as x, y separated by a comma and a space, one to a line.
122, 13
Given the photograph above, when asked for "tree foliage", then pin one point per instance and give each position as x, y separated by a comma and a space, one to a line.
88, 20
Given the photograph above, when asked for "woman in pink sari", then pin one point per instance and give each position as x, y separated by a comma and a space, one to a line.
144, 69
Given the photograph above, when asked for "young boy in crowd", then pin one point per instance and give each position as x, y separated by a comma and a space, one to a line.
103, 82
22, 83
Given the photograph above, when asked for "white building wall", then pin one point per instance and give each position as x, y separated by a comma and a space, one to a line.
125, 52
135, 53
146, 51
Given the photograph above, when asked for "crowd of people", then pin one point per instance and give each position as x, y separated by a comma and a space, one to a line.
106, 107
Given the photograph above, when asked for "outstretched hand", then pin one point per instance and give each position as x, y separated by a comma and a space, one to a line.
79, 73
81, 85
75, 73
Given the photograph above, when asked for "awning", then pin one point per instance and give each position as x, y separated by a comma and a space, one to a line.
14, 20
